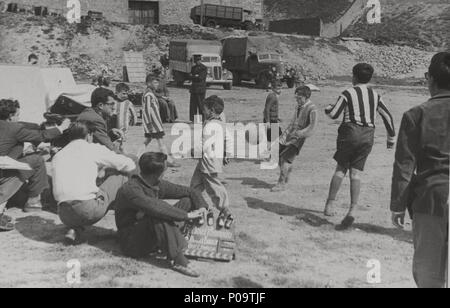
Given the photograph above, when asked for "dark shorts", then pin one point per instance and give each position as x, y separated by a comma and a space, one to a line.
288, 153
159, 135
354, 145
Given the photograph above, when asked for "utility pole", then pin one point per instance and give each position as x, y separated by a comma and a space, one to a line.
202, 11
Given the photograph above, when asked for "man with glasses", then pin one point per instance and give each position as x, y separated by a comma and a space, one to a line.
103, 105
421, 176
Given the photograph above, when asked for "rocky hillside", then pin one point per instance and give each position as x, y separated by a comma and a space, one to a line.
89, 48
416, 23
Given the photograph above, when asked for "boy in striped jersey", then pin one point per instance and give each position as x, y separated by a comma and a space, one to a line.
153, 126
360, 105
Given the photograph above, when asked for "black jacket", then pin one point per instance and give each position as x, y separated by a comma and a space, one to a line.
199, 74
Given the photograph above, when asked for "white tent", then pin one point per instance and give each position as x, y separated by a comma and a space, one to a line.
38, 88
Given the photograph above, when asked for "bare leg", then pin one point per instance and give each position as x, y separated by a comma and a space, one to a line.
285, 169
355, 189
2, 208
335, 185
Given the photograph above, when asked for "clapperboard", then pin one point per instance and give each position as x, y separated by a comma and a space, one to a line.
210, 244
134, 68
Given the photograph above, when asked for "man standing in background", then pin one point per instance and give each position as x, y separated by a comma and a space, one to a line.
421, 176
199, 73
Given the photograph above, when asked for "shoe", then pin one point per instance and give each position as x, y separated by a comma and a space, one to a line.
221, 221
201, 221
229, 222
73, 237
279, 188
185, 270
210, 218
6, 223
33, 205
346, 223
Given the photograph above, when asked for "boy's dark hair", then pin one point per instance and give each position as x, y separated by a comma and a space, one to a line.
215, 103
32, 56
151, 78
122, 87
8, 107
277, 84
439, 70
304, 91
103, 81
80, 130
152, 163
363, 72
100, 96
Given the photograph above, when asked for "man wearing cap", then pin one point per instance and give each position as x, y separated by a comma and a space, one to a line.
199, 73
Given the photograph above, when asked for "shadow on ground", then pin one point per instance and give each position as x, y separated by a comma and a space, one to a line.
253, 182
396, 234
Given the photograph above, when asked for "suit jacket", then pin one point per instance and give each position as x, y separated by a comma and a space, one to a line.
199, 83
13, 135
101, 128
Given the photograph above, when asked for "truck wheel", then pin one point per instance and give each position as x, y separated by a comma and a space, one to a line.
179, 78
237, 79
263, 82
290, 83
228, 86
211, 23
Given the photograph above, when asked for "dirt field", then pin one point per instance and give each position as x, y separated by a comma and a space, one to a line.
283, 239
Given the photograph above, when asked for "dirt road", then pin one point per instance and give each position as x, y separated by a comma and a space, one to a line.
283, 239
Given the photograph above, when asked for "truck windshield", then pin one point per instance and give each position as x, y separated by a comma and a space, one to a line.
210, 59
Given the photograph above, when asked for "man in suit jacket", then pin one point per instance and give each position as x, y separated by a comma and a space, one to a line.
103, 103
199, 73
12, 138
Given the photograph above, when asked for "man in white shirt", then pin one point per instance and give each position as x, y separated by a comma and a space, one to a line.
75, 171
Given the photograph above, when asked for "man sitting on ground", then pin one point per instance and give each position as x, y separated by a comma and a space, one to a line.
146, 223
103, 103
75, 171
12, 138
167, 107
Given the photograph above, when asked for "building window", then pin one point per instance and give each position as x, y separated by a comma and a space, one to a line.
144, 12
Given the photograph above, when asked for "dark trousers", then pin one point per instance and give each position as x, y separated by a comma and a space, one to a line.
167, 110
196, 106
150, 234
36, 181
430, 250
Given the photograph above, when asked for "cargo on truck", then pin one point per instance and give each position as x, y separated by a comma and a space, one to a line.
225, 16
253, 58
181, 54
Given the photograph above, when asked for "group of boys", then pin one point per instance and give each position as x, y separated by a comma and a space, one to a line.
136, 189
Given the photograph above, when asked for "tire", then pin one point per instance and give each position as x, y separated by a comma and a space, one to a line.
237, 80
211, 23
179, 78
290, 83
228, 86
263, 81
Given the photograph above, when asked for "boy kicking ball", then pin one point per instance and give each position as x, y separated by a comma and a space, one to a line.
360, 105
302, 126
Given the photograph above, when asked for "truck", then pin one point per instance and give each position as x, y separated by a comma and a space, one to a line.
225, 16
181, 53
252, 58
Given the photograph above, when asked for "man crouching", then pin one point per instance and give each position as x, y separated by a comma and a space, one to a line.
146, 223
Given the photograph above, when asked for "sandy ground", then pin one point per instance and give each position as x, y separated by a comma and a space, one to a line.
283, 239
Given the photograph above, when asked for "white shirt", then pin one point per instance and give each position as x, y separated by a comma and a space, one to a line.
75, 169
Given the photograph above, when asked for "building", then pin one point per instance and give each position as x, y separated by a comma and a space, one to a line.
139, 12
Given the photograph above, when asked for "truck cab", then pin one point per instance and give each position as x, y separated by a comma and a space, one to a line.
181, 62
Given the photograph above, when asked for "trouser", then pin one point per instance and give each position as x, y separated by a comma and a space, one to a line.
213, 186
196, 105
167, 110
150, 234
77, 214
36, 180
430, 250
